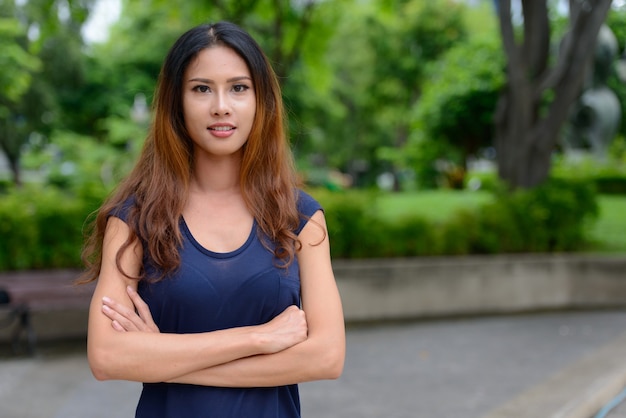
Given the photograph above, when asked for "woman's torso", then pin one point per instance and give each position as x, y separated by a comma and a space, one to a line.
218, 290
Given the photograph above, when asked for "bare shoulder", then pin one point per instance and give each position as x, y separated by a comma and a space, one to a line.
315, 231
115, 236
314, 255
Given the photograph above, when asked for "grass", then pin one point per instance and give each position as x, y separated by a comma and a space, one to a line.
432, 204
607, 233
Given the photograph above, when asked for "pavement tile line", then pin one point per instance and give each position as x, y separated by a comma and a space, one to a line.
578, 391
600, 392
449, 368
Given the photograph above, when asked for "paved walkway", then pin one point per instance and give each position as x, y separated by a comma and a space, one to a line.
510, 366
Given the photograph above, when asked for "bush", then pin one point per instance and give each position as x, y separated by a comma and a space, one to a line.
348, 221
59, 225
410, 236
19, 234
485, 180
549, 218
610, 184
456, 234
356, 231
609, 176
41, 228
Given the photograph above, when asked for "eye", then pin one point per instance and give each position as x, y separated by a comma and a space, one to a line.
240, 88
201, 89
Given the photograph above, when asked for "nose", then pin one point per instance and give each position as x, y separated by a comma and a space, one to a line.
220, 104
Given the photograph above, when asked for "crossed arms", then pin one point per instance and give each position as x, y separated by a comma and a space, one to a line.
296, 346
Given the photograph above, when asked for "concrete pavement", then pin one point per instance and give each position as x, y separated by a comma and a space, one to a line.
536, 365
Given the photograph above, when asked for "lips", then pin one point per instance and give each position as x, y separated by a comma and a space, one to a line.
221, 130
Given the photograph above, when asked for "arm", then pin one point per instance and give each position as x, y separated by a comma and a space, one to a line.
155, 357
321, 355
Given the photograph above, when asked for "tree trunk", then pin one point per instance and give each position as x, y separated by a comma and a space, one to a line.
15, 170
11, 145
535, 102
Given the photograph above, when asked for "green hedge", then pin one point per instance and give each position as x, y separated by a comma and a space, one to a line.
43, 228
610, 184
550, 218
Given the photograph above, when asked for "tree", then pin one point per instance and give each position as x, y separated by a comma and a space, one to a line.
13, 86
89, 90
368, 107
459, 100
128, 63
539, 90
43, 38
616, 21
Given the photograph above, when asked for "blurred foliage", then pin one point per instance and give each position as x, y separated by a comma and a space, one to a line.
43, 49
453, 120
368, 105
418, 97
42, 228
405, 87
608, 175
616, 20
458, 104
91, 89
14, 83
371, 87
551, 218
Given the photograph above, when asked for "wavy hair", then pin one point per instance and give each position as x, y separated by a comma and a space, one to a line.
159, 182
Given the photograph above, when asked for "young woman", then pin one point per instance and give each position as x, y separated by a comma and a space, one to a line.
206, 252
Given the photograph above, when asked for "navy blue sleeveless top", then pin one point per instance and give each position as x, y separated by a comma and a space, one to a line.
212, 291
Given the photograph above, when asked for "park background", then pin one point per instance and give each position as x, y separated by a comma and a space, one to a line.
437, 204
392, 117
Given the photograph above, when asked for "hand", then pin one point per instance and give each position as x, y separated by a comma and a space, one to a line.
124, 319
286, 330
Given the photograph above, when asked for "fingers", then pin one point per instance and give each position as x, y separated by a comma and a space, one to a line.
124, 318
142, 309
120, 315
291, 310
297, 315
285, 330
294, 313
116, 326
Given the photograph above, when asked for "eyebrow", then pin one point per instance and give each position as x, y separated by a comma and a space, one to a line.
230, 80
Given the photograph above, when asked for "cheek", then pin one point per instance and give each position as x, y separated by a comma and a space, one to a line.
252, 112
190, 115
186, 115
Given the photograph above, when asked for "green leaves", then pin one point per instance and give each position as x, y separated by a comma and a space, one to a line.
18, 64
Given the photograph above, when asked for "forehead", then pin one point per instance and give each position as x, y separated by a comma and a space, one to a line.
217, 60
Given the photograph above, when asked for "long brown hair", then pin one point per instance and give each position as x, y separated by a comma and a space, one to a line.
159, 182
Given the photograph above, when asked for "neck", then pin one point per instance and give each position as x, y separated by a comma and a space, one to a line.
216, 175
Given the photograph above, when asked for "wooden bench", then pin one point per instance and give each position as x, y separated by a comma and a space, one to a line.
38, 291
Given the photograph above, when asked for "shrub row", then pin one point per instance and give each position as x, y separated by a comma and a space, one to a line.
604, 183
610, 184
550, 218
43, 228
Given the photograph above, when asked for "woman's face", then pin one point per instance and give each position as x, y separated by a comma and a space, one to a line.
219, 101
